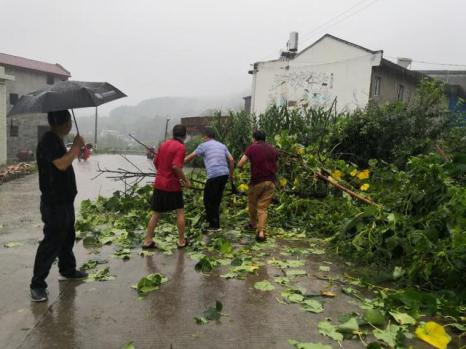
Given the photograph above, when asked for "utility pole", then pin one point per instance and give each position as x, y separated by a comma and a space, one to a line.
95, 129
166, 129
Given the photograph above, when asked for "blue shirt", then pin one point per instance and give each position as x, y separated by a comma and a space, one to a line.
215, 158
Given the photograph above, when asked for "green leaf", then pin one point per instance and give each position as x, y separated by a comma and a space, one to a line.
389, 335
130, 345
12, 244
327, 329
290, 263
150, 283
303, 345
313, 306
282, 280
204, 265
92, 263
237, 261
324, 268
100, 275
459, 327
402, 318
200, 320
106, 240
196, 256
122, 253
226, 247
214, 313
349, 326
398, 272
295, 272
145, 253
224, 261
264, 286
316, 251
374, 317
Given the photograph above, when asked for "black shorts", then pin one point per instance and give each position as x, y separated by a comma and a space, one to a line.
165, 201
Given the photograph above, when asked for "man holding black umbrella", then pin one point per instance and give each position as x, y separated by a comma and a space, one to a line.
58, 188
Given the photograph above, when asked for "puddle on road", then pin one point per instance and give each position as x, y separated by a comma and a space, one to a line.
89, 188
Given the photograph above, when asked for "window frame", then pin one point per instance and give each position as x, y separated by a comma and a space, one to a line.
14, 97
14, 130
400, 93
377, 86
50, 79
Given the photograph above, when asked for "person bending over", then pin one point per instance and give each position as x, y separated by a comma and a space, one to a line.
263, 158
169, 180
219, 165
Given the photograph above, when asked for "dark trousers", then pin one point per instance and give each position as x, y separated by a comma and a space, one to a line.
213, 192
59, 237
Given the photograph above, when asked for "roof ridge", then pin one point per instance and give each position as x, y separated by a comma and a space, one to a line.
33, 64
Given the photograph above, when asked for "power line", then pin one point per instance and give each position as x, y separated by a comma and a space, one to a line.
433, 63
349, 12
338, 17
443, 64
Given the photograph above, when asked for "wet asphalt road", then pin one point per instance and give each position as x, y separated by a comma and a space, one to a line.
110, 314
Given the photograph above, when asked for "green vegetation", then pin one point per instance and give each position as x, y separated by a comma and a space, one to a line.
405, 253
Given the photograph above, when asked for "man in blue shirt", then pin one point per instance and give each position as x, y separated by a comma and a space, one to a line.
219, 165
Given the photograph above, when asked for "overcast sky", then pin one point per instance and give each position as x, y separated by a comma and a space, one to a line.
151, 48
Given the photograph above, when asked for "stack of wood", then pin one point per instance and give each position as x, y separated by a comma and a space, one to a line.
14, 171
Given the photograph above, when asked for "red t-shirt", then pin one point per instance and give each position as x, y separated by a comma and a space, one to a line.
171, 154
263, 158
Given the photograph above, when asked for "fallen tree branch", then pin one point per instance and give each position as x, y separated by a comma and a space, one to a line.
337, 185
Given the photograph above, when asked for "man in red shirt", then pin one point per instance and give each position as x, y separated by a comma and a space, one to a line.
263, 158
169, 180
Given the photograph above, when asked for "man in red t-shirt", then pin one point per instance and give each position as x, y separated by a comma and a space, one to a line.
263, 158
169, 180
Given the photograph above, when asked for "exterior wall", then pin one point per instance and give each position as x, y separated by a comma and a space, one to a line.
3, 103
3, 147
29, 125
195, 124
390, 83
327, 70
452, 77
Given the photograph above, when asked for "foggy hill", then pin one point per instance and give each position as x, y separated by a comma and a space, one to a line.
147, 119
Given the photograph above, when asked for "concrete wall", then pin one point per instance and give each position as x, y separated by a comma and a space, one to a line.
3, 123
328, 69
29, 125
390, 84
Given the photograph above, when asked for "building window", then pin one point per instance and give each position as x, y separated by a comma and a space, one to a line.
13, 98
292, 103
14, 130
401, 91
50, 79
377, 83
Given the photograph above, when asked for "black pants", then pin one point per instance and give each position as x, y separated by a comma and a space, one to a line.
213, 192
59, 237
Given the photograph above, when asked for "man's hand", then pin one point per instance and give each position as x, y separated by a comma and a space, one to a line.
78, 142
186, 183
242, 161
66, 160
190, 157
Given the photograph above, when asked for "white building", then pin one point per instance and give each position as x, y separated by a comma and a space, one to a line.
23, 131
331, 70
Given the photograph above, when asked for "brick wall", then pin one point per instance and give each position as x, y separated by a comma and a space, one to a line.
28, 132
26, 81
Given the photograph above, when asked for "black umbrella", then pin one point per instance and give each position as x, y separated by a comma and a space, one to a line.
67, 95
